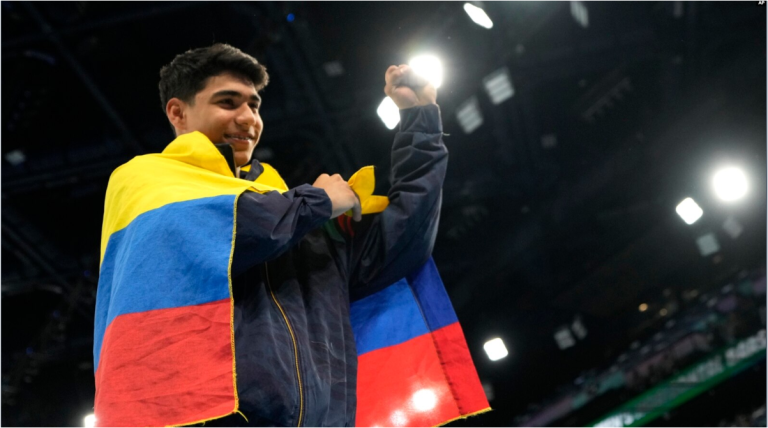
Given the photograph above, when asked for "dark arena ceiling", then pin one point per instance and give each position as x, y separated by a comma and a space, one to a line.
559, 211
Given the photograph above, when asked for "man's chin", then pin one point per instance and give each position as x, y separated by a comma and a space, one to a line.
241, 159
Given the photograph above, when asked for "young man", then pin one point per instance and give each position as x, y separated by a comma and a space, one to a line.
294, 267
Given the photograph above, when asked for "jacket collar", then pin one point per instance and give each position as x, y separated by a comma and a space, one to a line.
196, 149
247, 174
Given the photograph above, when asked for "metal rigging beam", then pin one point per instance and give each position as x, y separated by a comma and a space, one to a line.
130, 141
301, 67
111, 21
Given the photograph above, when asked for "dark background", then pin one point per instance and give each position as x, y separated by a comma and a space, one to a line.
643, 106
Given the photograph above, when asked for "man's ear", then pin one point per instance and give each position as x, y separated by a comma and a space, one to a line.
176, 111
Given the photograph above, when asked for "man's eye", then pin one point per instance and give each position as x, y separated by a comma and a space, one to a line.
227, 102
255, 106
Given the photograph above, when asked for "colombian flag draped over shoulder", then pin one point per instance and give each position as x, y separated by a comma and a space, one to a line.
163, 337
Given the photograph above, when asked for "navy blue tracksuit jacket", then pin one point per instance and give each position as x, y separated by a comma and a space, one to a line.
295, 272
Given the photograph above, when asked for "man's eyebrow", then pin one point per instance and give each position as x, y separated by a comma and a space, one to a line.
230, 93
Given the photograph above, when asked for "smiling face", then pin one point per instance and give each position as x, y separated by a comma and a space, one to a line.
226, 111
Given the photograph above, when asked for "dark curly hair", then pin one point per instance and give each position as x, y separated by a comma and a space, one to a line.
189, 72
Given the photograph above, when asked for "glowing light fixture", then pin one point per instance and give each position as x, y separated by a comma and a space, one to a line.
478, 15
689, 210
708, 244
579, 13
730, 184
733, 227
498, 85
389, 113
564, 338
468, 115
15, 157
624, 419
428, 67
495, 349
90, 421
643, 307
578, 328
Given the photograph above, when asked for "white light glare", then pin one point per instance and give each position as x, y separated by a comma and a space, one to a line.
564, 338
689, 210
398, 418
620, 420
733, 227
708, 244
730, 184
90, 421
499, 86
478, 15
495, 349
424, 400
389, 113
579, 13
428, 67
15, 157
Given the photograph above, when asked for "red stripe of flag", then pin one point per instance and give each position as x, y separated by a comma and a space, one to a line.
152, 371
387, 394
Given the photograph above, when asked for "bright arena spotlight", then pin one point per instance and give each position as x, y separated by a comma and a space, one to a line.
730, 184
90, 421
428, 67
495, 349
389, 113
689, 210
478, 15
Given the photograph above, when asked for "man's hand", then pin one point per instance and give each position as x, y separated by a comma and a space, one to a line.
343, 198
407, 89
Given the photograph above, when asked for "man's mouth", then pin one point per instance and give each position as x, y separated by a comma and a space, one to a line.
242, 139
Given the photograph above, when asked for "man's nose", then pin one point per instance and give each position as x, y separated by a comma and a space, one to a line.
247, 117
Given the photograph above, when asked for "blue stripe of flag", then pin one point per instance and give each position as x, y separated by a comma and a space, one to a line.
434, 300
411, 307
388, 317
141, 267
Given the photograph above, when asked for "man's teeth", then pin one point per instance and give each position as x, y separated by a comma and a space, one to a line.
234, 137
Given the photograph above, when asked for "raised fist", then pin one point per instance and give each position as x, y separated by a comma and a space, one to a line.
407, 89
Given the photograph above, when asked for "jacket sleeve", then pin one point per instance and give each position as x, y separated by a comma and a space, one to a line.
388, 246
269, 224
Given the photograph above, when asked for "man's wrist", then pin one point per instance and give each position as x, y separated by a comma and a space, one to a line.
425, 119
319, 200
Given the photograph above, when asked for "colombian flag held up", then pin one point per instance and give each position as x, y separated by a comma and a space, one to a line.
414, 368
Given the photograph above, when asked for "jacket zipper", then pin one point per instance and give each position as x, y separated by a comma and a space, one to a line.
295, 346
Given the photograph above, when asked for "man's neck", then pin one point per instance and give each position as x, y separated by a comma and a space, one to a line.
229, 155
